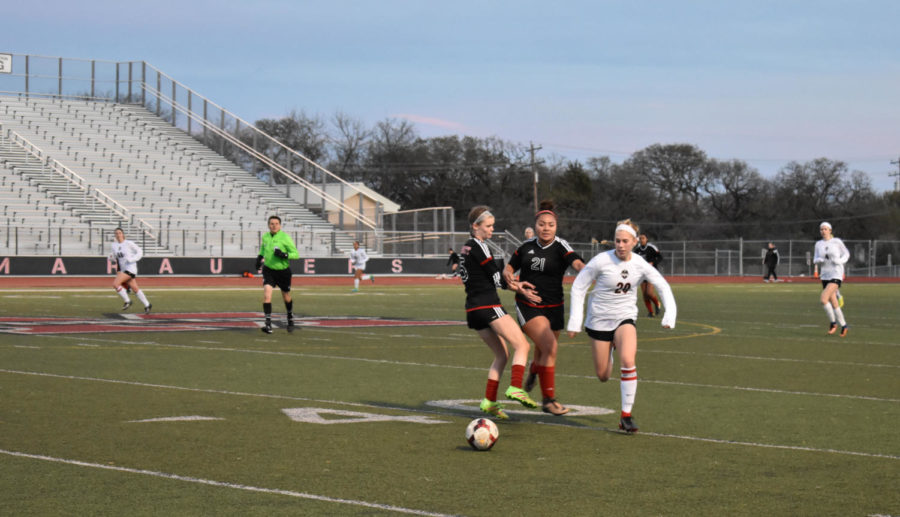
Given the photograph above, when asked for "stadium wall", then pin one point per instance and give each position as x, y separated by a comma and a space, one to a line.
210, 266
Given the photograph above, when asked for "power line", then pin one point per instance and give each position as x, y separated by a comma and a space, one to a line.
896, 174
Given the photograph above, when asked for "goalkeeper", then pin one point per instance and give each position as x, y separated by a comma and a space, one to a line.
275, 253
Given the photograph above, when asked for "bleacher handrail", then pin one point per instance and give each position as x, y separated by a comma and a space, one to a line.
274, 165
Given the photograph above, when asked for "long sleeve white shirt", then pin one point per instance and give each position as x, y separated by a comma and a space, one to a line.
614, 296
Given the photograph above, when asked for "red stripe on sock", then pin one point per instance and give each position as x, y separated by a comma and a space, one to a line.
518, 372
490, 391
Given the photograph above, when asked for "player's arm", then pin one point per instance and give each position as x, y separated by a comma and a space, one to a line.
292, 253
515, 263
817, 258
665, 293
580, 287
261, 256
574, 260
135, 253
843, 256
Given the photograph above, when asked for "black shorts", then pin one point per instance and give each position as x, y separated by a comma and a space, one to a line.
129, 273
555, 314
832, 281
280, 278
479, 319
607, 335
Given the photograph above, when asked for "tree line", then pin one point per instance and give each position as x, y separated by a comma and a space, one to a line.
674, 191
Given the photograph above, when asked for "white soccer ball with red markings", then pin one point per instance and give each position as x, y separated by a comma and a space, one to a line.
482, 434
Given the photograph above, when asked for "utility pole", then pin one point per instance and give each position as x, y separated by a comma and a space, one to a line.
532, 149
896, 175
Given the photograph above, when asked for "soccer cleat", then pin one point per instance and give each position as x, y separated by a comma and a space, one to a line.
492, 407
267, 328
650, 314
844, 330
554, 408
290, 326
354, 290
832, 329
126, 305
627, 424
147, 308
521, 396
840, 301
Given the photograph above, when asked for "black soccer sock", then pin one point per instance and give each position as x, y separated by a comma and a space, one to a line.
289, 307
267, 308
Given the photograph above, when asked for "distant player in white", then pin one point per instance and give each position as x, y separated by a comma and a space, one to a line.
126, 254
358, 259
830, 257
612, 311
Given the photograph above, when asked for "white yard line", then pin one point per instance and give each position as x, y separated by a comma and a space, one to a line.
222, 484
431, 365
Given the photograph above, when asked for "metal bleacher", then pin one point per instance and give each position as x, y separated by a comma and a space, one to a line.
119, 164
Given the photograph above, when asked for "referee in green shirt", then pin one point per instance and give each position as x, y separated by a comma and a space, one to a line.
275, 253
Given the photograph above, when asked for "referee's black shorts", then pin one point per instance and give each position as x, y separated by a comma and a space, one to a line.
280, 278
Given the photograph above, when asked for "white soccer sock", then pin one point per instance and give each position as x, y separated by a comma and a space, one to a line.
122, 293
628, 388
839, 314
829, 310
356, 283
142, 298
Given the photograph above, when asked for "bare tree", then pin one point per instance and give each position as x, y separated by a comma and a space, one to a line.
348, 140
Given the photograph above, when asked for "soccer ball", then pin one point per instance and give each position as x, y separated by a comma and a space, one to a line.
482, 434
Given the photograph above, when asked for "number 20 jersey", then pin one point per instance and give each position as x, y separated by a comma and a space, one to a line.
614, 296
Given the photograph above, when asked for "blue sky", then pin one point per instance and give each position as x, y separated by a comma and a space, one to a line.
762, 81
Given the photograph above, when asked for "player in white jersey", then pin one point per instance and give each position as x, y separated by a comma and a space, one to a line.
126, 254
358, 259
612, 311
830, 257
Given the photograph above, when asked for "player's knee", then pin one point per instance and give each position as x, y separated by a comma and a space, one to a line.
603, 376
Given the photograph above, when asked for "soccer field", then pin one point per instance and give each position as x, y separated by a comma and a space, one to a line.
746, 408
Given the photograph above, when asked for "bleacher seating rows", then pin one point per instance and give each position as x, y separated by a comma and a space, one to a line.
158, 172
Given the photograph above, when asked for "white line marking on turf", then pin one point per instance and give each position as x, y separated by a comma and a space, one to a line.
472, 405
774, 359
191, 418
222, 484
358, 404
428, 365
745, 444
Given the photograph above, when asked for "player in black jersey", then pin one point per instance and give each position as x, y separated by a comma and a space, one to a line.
651, 254
453, 262
543, 261
484, 312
